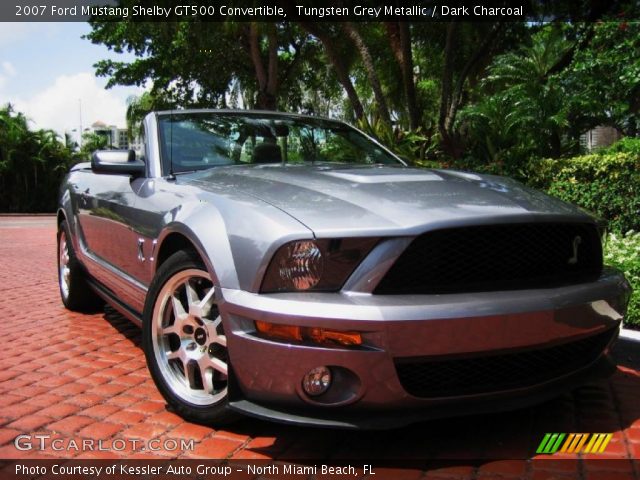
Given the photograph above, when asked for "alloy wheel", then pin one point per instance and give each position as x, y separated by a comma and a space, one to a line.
190, 347
64, 271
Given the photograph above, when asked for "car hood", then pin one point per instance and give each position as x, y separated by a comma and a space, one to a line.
374, 199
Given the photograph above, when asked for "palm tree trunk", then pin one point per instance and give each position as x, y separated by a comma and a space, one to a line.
447, 81
367, 61
338, 66
399, 36
482, 51
407, 75
265, 99
272, 70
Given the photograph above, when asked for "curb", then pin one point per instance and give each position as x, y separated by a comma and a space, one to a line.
14, 215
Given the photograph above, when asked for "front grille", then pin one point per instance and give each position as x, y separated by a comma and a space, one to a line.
430, 377
496, 257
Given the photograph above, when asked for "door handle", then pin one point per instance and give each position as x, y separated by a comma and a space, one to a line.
84, 198
141, 249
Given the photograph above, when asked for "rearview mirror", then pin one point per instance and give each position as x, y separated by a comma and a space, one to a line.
121, 162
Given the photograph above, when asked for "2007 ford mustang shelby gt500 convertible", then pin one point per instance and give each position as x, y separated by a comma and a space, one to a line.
292, 268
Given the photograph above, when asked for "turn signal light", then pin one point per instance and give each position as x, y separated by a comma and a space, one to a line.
317, 335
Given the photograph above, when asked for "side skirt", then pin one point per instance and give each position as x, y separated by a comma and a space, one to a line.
120, 306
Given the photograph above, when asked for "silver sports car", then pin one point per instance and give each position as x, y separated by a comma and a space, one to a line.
292, 268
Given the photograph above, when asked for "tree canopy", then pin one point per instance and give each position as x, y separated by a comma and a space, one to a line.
491, 96
32, 164
493, 91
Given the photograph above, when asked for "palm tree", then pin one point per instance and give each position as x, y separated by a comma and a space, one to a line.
139, 107
32, 164
525, 104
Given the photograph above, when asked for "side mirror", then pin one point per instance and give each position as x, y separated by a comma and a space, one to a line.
121, 162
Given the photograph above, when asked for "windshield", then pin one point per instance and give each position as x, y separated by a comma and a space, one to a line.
195, 141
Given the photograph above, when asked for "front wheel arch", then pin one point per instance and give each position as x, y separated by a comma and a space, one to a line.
177, 237
173, 243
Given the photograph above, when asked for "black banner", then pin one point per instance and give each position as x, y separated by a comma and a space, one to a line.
314, 11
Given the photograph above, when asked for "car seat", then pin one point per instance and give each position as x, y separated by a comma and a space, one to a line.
267, 152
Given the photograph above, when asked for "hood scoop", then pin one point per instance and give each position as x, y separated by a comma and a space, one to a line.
383, 176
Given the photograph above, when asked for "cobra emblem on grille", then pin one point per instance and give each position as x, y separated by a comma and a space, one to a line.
577, 240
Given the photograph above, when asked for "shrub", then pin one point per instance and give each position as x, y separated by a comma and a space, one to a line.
623, 252
607, 183
628, 145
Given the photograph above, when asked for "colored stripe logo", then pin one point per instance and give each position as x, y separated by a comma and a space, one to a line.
574, 443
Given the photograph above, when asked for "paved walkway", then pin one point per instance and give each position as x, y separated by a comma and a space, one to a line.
83, 378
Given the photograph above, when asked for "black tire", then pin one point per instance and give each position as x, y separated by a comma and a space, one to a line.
183, 384
75, 292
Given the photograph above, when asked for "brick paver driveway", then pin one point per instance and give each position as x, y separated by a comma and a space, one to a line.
83, 377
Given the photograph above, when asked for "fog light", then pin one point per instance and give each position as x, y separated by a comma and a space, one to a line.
317, 381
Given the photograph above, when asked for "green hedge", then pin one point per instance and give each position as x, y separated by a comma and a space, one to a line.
623, 251
607, 183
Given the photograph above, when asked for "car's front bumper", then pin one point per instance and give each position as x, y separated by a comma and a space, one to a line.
367, 392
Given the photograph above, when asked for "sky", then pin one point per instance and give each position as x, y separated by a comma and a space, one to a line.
46, 72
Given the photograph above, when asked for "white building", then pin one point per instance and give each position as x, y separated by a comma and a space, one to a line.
597, 137
116, 137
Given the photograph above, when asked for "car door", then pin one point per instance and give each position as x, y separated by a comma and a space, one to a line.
103, 204
105, 210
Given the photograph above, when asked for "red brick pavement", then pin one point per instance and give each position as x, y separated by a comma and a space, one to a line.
82, 378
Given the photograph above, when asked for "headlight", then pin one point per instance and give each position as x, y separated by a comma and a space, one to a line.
318, 265
300, 265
